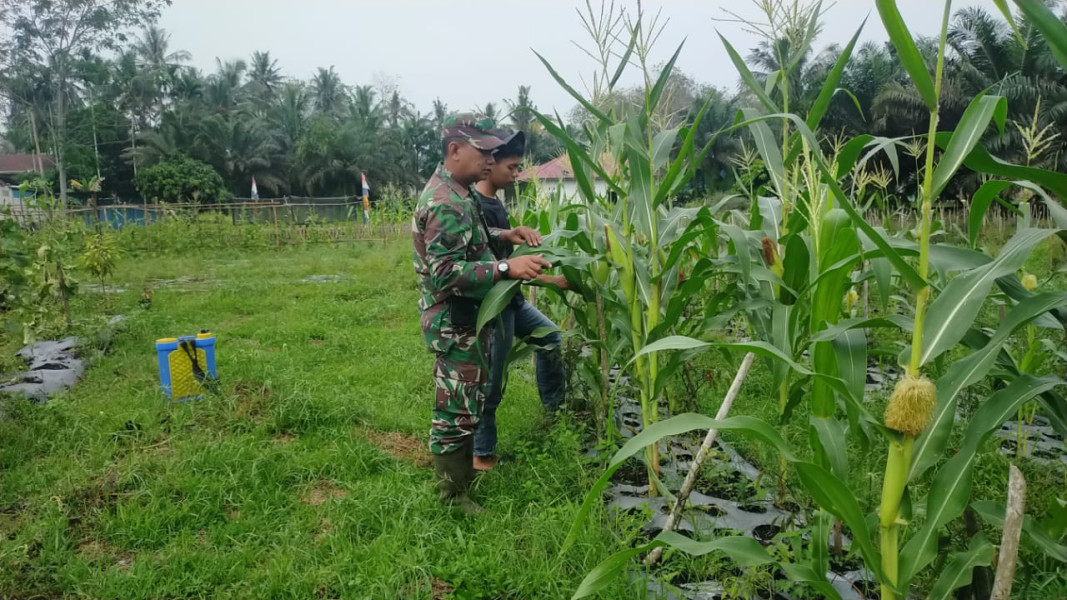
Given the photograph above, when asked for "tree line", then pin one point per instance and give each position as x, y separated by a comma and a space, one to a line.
97, 85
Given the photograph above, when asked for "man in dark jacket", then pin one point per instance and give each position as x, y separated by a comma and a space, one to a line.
520, 318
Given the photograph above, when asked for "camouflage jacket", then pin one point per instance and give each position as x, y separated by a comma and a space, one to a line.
452, 258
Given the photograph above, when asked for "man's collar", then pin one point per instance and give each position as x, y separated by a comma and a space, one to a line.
455, 186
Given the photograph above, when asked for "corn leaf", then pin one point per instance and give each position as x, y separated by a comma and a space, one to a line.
745, 426
1005, 10
833, 79
819, 550
599, 114
958, 305
810, 576
742, 551
577, 157
624, 60
930, 446
883, 277
742, 250
993, 513
909, 54
1050, 26
748, 77
972, 126
497, 300
661, 82
662, 144
834, 332
835, 497
980, 204
960, 567
951, 488
851, 349
981, 161
829, 434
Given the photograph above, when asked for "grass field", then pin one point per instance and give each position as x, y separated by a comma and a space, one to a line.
306, 477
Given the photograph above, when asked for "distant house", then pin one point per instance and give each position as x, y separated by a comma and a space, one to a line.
12, 168
13, 165
557, 174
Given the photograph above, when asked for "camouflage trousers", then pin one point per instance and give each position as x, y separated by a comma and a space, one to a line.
459, 377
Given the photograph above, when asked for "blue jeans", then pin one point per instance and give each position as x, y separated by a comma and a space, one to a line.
520, 320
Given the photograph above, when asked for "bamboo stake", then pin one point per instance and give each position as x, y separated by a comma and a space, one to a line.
1009, 541
698, 460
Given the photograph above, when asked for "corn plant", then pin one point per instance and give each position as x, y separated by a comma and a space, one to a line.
625, 234
794, 266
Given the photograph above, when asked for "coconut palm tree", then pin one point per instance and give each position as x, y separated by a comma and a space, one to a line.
158, 65
521, 111
264, 78
328, 92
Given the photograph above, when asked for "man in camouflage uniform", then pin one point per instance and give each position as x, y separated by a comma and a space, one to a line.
456, 270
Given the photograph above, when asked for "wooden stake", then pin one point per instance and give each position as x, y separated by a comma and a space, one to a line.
1009, 541
277, 236
698, 460
147, 236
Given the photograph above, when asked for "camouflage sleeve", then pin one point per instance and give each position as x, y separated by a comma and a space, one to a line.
494, 233
447, 234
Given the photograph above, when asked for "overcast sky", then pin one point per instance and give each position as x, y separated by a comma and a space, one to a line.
469, 52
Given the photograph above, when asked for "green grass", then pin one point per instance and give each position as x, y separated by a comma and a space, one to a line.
306, 477
278, 487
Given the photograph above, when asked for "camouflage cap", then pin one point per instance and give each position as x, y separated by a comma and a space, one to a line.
472, 128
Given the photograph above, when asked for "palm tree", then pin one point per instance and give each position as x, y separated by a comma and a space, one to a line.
288, 118
440, 111
231, 71
397, 109
158, 64
264, 77
153, 48
421, 136
991, 57
522, 111
240, 148
188, 86
328, 157
365, 109
328, 91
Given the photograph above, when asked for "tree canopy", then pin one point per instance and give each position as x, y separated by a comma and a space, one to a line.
98, 85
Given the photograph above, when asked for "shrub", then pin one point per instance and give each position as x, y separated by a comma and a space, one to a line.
181, 179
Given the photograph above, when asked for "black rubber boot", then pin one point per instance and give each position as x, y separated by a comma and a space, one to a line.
455, 472
468, 450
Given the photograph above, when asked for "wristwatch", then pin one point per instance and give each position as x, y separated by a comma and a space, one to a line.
502, 266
